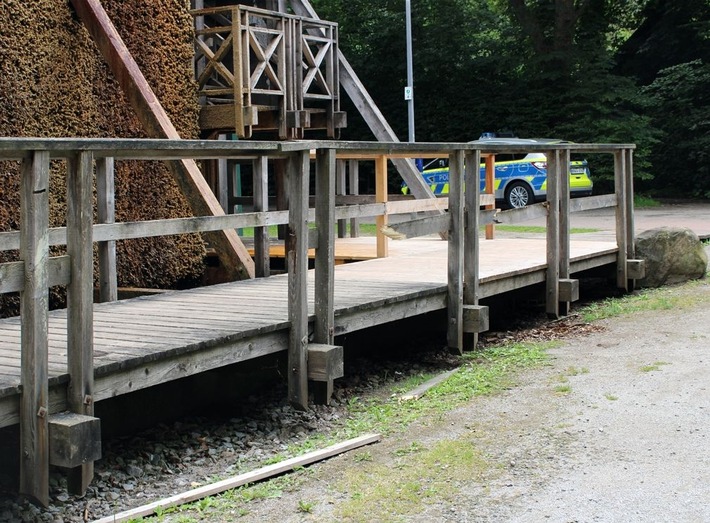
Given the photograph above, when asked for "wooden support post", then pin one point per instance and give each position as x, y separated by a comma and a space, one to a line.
262, 262
354, 182
80, 304
476, 318
635, 269
381, 197
490, 189
553, 234
282, 185
297, 263
455, 253
564, 234
340, 188
74, 439
630, 226
106, 213
472, 197
324, 265
622, 223
34, 401
569, 290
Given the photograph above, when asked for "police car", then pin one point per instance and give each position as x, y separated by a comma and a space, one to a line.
520, 179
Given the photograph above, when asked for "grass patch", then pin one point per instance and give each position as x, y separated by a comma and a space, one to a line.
653, 367
563, 389
645, 202
663, 298
611, 397
377, 492
422, 474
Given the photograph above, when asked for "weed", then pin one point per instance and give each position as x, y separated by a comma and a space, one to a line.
305, 506
563, 389
611, 397
641, 201
653, 366
363, 456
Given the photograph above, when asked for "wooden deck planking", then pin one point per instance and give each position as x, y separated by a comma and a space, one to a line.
178, 333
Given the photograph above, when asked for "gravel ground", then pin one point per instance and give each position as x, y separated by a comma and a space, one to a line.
625, 443
628, 442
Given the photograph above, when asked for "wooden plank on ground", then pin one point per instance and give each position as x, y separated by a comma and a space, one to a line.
243, 479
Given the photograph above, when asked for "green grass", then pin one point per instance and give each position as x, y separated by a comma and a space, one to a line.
641, 202
663, 298
653, 367
422, 473
611, 397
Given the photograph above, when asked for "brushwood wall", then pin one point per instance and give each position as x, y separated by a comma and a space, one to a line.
54, 83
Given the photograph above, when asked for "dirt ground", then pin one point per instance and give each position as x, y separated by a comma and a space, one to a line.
627, 441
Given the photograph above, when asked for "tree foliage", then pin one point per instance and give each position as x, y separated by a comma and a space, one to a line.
582, 70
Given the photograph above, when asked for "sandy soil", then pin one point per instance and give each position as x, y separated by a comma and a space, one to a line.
629, 441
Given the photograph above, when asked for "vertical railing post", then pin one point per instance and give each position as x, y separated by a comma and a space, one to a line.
324, 328
472, 203
553, 233
563, 169
34, 401
262, 263
106, 213
630, 225
455, 253
381, 197
341, 190
325, 251
622, 234
354, 181
297, 263
490, 189
80, 307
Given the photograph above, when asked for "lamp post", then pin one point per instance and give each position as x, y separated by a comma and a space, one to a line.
409, 89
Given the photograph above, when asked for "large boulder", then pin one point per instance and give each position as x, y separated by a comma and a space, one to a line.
672, 254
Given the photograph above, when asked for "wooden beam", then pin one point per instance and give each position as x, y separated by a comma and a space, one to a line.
297, 264
455, 259
261, 204
553, 234
381, 197
354, 182
74, 439
242, 479
622, 235
230, 249
106, 213
34, 402
80, 301
490, 189
471, 248
564, 231
325, 252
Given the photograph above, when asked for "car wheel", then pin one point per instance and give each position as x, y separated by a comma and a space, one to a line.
518, 194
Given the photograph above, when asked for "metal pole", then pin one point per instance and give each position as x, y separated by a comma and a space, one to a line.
409, 90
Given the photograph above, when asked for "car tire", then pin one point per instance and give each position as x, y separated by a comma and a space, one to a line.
518, 194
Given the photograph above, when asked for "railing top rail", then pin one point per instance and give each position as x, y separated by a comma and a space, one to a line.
427, 148
207, 11
137, 148
163, 149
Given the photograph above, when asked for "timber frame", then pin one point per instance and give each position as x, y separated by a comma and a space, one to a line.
85, 158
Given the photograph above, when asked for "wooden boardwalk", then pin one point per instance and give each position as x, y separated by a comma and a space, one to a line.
149, 340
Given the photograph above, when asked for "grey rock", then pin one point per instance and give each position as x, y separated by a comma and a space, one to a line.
672, 254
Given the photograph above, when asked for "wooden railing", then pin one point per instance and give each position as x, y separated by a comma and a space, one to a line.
36, 270
267, 70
